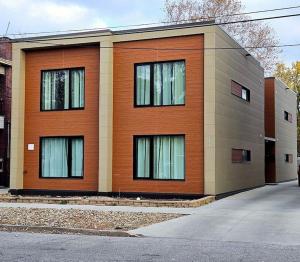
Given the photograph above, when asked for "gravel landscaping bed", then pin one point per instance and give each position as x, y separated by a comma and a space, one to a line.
80, 219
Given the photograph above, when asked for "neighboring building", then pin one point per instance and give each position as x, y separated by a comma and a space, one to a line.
280, 131
5, 101
166, 110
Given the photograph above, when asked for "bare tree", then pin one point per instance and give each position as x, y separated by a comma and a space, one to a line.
249, 34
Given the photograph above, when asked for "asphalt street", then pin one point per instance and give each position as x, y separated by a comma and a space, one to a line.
258, 225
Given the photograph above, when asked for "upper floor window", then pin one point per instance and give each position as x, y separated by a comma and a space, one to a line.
241, 155
288, 116
240, 91
62, 89
160, 84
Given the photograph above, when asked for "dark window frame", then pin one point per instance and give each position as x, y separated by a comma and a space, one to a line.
288, 116
151, 164
248, 154
70, 90
288, 158
69, 157
248, 92
151, 64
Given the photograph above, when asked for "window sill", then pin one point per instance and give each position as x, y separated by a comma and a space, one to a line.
157, 106
67, 178
60, 110
152, 179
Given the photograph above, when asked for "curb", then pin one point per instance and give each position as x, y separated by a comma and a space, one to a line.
60, 230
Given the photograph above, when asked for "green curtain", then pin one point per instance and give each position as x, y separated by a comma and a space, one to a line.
143, 85
169, 83
55, 90
77, 88
143, 157
77, 157
168, 157
54, 157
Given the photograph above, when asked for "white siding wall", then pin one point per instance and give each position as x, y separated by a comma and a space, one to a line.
285, 132
239, 124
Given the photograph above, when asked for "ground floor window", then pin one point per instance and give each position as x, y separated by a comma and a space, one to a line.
241, 155
159, 157
288, 158
61, 157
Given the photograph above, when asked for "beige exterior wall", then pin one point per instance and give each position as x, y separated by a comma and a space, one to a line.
17, 118
285, 132
239, 124
105, 116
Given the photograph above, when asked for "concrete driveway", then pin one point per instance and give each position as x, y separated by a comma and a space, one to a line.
269, 215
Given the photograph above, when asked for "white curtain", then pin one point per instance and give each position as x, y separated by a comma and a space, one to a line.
55, 90
143, 85
143, 157
169, 83
77, 88
168, 157
54, 157
77, 157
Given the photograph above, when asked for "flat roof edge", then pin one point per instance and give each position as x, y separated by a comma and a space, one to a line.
120, 32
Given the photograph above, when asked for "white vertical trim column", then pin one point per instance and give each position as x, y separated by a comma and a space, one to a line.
17, 119
105, 116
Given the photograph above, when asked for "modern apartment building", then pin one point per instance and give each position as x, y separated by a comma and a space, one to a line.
280, 131
5, 101
173, 110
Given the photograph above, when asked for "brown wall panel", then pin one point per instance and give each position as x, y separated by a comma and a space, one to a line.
129, 121
269, 107
62, 123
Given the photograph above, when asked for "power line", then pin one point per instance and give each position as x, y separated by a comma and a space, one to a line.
155, 29
157, 23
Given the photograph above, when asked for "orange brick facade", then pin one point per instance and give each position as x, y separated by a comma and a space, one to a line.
129, 121
62, 123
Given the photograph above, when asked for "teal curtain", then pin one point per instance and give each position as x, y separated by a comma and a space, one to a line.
60, 153
77, 88
169, 83
143, 157
54, 157
143, 85
55, 90
77, 157
168, 157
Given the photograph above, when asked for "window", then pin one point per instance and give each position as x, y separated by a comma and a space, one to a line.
62, 89
61, 157
160, 84
288, 116
241, 155
240, 91
288, 158
159, 157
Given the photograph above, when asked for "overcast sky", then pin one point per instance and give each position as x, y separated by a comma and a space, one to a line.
50, 15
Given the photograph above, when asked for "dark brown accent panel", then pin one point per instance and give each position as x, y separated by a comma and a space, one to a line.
269, 107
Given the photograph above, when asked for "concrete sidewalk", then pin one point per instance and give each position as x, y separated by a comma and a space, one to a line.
265, 215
